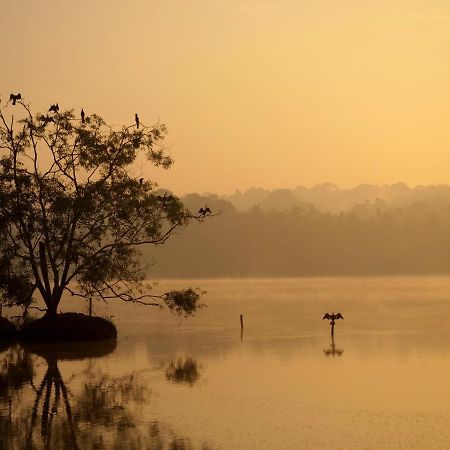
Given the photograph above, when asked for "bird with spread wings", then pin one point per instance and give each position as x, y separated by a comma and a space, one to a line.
54, 108
15, 97
203, 211
333, 316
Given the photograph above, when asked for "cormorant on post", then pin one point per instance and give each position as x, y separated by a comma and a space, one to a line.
82, 115
54, 108
141, 180
332, 317
136, 118
14, 97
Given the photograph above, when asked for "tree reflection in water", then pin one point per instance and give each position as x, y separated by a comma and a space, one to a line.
183, 370
16, 370
91, 410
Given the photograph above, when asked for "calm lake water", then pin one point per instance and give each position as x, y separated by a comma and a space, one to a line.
384, 383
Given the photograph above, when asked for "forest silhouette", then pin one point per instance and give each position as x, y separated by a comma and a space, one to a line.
404, 233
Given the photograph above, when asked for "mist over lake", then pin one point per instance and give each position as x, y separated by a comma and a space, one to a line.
282, 383
321, 231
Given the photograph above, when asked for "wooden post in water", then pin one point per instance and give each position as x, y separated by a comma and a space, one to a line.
332, 329
242, 322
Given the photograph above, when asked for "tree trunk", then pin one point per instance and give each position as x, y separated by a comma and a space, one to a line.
52, 302
49, 297
51, 309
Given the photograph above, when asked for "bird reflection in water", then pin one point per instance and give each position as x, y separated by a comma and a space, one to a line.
332, 350
90, 409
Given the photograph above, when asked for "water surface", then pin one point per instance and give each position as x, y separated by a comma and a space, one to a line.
281, 384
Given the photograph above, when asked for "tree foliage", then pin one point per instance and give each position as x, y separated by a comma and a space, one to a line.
72, 217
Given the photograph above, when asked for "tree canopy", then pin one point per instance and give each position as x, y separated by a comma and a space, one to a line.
72, 215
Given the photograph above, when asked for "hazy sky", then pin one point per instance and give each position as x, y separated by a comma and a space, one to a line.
263, 93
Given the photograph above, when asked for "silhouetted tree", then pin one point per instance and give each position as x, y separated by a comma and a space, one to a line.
71, 215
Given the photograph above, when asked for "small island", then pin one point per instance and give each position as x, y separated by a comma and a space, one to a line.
68, 327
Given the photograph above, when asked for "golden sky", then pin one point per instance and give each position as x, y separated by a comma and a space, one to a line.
254, 93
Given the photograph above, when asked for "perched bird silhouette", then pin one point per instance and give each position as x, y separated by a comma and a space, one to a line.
332, 317
204, 211
14, 97
141, 180
136, 118
82, 115
54, 108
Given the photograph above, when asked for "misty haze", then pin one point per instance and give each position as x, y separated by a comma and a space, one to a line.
225, 225
324, 230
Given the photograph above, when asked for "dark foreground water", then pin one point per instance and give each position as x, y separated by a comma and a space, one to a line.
384, 383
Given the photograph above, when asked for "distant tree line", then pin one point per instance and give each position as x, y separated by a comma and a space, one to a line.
327, 197
371, 238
